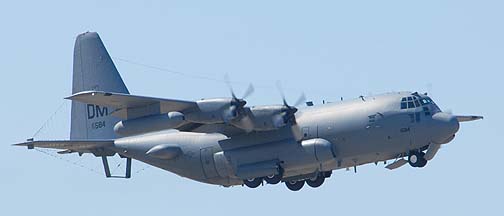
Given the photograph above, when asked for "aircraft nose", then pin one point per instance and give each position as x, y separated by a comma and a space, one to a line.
446, 127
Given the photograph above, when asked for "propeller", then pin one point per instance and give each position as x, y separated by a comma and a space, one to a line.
289, 112
237, 105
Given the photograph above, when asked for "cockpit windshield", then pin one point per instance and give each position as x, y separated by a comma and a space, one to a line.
415, 100
425, 101
411, 102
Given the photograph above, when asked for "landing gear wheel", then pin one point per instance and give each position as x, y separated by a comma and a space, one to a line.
294, 185
274, 179
416, 159
315, 182
253, 183
422, 163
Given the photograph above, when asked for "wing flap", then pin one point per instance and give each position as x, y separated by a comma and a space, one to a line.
132, 106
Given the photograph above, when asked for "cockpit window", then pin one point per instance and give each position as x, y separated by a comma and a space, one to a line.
417, 103
413, 102
425, 101
403, 105
426, 111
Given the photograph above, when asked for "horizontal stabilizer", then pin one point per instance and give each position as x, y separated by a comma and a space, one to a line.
468, 118
132, 106
73, 145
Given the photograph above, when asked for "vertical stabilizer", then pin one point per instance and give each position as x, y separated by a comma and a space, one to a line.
93, 69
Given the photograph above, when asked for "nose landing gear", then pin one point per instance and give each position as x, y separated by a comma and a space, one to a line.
417, 159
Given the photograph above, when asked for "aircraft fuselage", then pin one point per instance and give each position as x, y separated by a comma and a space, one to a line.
360, 131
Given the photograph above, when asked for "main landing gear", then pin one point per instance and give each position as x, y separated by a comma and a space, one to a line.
293, 185
313, 182
417, 159
316, 181
273, 179
253, 183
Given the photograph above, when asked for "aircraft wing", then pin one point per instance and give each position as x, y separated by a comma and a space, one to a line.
132, 106
227, 130
81, 146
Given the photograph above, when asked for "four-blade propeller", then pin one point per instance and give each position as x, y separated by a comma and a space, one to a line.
237, 105
288, 110
237, 114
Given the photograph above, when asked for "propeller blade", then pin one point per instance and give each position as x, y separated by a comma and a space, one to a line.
300, 100
247, 124
250, 90
229, 114
279, 87
296, 131
228, 83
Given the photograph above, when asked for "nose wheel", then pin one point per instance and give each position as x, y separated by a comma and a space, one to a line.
417, 159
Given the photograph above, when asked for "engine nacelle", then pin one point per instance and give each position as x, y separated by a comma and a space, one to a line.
212, 111
263, 118
149, 124
163, 151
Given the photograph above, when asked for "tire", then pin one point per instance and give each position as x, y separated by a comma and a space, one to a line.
422, 163
416, 159
273, 179
315, 183
294, 185
253, 183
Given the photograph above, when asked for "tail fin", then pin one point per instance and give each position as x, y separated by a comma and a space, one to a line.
93, 69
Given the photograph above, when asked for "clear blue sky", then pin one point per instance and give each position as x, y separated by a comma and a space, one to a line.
327, 49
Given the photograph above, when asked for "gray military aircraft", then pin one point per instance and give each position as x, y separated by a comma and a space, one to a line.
221, 141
